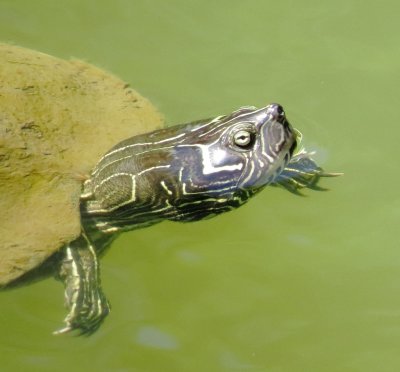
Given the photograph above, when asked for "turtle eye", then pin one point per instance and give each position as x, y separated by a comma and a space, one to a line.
243, 138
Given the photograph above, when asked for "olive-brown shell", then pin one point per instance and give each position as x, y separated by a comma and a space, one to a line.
57, 118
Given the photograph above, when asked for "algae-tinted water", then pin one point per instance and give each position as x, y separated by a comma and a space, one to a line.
284, 283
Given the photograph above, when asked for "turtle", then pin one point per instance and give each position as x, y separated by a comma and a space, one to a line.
184, 173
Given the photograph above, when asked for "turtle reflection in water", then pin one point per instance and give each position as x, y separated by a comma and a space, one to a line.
183, 173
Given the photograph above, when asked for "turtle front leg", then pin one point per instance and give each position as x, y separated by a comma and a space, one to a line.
80, 272
302, 172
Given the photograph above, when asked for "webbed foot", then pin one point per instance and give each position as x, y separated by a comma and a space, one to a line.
302, 172
87, 304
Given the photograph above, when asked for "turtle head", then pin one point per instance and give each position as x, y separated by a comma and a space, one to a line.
190, 171
223, 162
259, 141
246, 149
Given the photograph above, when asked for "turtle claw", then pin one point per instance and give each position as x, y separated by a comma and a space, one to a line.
87, 304
83, 329
84, 319
62, 331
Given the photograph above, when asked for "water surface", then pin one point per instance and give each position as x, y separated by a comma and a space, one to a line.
284, 283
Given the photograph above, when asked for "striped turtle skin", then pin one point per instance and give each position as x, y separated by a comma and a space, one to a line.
188, 172
183, 173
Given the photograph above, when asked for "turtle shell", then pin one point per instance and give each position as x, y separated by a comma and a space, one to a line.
57, 118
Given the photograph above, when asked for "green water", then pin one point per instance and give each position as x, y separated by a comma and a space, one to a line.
284, 283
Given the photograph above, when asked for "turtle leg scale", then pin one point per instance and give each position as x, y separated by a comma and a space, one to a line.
87, 304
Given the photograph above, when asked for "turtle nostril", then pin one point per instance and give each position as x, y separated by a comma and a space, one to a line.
280, 111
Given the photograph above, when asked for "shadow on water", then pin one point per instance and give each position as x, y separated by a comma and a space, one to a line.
45, 270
